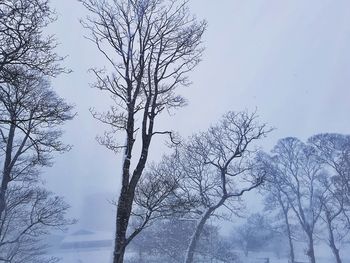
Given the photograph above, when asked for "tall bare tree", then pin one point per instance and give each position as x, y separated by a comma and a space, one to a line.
276, 198
224, 153
334, 214
333, 151
31, 114
150, 46
299, 172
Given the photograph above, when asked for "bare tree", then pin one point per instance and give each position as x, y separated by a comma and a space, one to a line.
31, 114
218, 167
333, 150
333, 212
150, 46
276, 198
22, 42
30, 214
299, 173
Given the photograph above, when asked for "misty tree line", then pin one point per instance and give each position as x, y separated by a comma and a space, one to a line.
308, 186
150, 47
305, 187
306, 193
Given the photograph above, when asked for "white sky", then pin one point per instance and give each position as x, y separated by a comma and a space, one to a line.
290, 59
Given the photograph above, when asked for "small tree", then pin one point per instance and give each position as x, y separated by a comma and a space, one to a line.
254, 234
150, 46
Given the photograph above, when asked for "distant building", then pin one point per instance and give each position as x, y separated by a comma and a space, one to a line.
84, 239
85, 246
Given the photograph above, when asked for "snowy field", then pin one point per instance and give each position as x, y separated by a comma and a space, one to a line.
105, 256
85, 256
94, 247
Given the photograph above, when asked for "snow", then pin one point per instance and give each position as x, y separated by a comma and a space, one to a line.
98, 253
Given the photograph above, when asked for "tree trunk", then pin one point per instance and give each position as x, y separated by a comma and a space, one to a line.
196, 235
126, 199
332, 245
124, 206
6, 173
122, 222
311, 250
290, 240
199, 228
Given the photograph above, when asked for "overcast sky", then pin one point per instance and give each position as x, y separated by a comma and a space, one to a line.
289, 59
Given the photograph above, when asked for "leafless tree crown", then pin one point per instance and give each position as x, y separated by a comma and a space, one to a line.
22, 41
150, 45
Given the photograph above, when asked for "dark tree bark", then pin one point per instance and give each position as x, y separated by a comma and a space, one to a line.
311, 249
151, 46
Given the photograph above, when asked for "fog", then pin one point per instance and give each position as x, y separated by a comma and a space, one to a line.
287, 60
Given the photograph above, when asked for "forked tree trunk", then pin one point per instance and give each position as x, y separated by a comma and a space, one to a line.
126, 198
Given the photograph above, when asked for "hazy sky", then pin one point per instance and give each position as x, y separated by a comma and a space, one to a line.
289, 59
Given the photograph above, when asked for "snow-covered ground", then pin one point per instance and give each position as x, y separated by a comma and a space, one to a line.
85, 256
95, 247
322, 251
259, 258
105, 256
